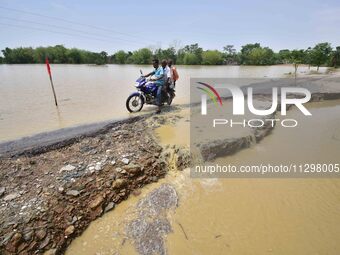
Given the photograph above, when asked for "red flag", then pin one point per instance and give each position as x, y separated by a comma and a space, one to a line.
48, 67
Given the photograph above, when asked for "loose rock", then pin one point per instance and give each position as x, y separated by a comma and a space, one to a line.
109, 207
16, 239
11, 196
73, 193
28, 235
44, 243
98, 167
126, 161
96, 202
119, 183
133, 169
40, 234
69, 230
2, 191
67, 168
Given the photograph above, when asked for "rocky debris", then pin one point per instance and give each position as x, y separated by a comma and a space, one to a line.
119, 183
125, 161
133, 169
44, 243
2, 191
67, 168
73, 193
56, 191
15, 242
41, 234
69, 230
28, 235
11, 196
210, 150
98, 166
16, 239
96, 202
175, 157
261, 132
224, 147
120, 170
109, 207
149, 229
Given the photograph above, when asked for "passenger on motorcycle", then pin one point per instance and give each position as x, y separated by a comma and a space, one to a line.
174, 78
167, 75
158, 78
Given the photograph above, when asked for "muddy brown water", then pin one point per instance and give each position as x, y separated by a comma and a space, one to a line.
244, 216
88, 94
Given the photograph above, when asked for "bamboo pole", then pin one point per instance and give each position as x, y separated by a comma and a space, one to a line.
51, 80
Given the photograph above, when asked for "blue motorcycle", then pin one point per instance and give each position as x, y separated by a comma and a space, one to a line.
145, 94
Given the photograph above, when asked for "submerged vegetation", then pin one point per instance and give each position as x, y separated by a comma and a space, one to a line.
321, 54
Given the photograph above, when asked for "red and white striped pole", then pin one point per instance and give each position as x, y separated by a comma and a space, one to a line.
50, 75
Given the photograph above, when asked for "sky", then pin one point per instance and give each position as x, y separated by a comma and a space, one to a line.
129, 25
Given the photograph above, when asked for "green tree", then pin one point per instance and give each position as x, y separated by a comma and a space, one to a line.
18, 55
260, 56
254, 54
39, 55
57, 54
245, 52
212, 57
320, 54
190, 55
142, 56
335, 62
190, 59
296, 58
307, 58
74, 56
231, 56
169, 53
7, 52
120, 57
284, 56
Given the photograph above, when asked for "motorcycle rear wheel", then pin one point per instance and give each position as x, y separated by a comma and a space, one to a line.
169, 101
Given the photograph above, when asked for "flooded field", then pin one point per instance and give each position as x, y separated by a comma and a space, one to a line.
89, 94
243, 216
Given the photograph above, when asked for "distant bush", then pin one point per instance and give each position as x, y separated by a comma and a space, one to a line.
321, 54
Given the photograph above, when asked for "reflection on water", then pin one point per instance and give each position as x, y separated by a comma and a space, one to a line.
245, 216
88, 94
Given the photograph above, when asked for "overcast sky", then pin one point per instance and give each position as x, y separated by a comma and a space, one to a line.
128, 25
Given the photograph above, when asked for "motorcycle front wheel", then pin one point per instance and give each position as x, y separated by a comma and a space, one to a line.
134, 103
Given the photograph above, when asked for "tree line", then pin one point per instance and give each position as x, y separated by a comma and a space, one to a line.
322, 54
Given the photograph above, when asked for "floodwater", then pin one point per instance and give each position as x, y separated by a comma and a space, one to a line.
89, 94
245, 216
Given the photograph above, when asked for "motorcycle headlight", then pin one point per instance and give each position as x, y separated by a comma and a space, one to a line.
136, 84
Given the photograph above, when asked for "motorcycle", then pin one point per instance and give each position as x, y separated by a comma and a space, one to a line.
146, 94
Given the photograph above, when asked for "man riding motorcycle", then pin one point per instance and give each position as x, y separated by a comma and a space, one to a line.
158, 78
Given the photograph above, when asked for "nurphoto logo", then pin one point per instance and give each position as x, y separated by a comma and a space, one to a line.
282, 97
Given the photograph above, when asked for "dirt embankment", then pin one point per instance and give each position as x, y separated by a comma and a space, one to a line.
48, 196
